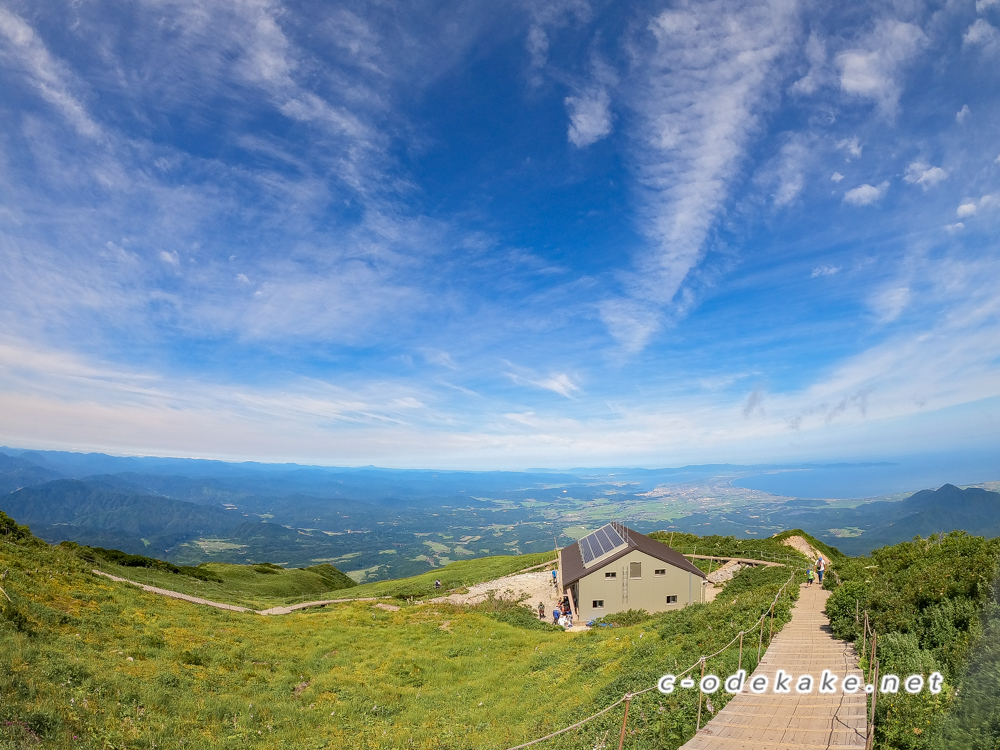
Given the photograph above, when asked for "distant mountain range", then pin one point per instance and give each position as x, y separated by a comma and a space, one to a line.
880, 523
388, 522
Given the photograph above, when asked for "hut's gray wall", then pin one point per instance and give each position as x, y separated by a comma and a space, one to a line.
648, 591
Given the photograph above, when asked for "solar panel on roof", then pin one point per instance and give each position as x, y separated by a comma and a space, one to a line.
600, 543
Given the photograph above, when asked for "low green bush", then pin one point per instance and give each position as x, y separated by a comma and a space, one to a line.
926, 600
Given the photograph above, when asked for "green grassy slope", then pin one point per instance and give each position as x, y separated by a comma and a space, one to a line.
769, 548
88, 663
262, 586
254, 586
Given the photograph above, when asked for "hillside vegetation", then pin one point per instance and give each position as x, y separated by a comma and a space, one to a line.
768, 548
929, 600
88, 663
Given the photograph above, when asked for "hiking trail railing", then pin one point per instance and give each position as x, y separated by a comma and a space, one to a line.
743, 554
702, 661
869, 651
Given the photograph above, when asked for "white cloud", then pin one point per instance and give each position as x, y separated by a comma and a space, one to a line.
851, 145
866, 194
982, 5
439, 357
924, 175
836, 177
560, 382
816, 54
962, 114
981, 33
952, 228
966, 209
704, 84
171, 258
789, 169
872, 70
890, 303
589, 110
49, 76
824, 271
550, 16
242, 278
630, 323
537, 45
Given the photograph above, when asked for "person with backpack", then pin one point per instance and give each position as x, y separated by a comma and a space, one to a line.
809, 577
541, 611
556, 614
820, 569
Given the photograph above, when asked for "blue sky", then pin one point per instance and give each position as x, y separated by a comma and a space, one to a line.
504, 235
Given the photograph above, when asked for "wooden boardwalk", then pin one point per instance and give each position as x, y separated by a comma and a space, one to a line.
815, 721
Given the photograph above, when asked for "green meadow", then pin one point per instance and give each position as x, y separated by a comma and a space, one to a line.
86, 662
89, 663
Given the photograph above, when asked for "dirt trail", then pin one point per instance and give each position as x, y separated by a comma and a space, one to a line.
231, 607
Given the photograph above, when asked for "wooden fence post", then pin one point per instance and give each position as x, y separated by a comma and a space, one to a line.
739, 665
700, 695
621, 738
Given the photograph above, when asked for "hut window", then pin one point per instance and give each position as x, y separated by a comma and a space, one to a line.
671, 600
635, 570
610, 575
599, 603
660, 572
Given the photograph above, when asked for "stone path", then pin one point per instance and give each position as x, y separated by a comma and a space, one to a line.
791, 721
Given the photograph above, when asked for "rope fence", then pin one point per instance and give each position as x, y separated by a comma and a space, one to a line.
627, 698
869, 650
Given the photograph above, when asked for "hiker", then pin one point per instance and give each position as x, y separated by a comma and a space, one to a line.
562, 621
809, 577
555, 580
556, 614
541, 611
437, 584
820, 569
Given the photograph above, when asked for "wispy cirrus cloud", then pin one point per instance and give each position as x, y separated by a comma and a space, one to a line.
705, 84
589, 109
21, 47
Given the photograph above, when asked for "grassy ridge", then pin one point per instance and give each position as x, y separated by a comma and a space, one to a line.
88, 663
261, 586
255, 586
769, 548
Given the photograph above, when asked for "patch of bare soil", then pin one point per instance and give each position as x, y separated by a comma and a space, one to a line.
726, 572
800, 544
531, 588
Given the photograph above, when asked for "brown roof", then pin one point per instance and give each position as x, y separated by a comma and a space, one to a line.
571, 560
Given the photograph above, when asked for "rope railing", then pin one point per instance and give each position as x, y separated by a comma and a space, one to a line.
627, 698
873, 667
743, 554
